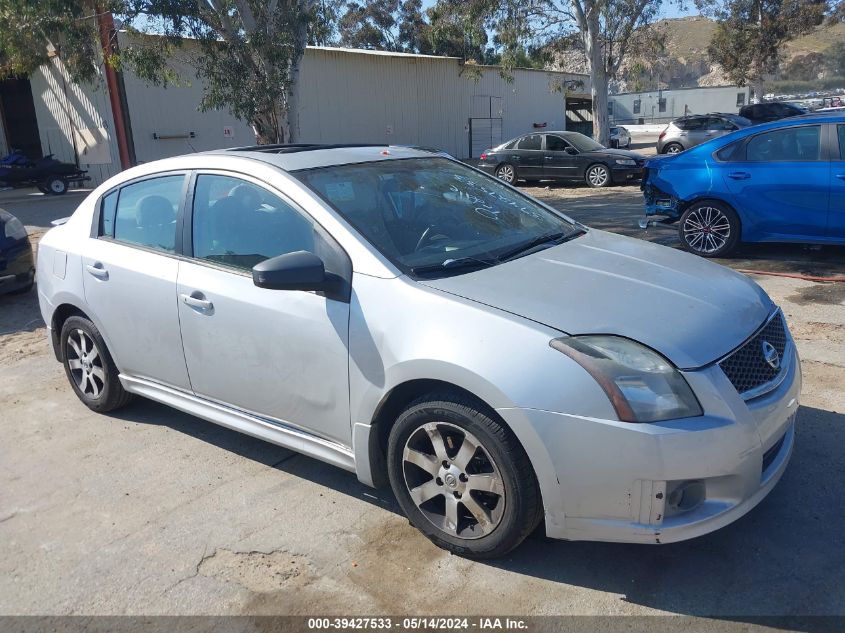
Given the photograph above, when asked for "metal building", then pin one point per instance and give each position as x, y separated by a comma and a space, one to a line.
346, 96
662, 106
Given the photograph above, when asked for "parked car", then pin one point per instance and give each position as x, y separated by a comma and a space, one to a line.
17, 265
692, 130
567, 156
408, 318
620, 137
773, 111
778, 182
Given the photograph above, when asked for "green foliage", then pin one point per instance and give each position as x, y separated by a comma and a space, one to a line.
834, 59
31, 31
750, 34
791, 86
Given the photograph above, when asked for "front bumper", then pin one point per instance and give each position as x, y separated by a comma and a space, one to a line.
622, 175
605, 480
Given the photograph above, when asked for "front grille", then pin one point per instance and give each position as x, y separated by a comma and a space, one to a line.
746, 367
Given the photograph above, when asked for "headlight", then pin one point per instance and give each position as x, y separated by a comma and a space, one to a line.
626, 161
14, 228
641, 384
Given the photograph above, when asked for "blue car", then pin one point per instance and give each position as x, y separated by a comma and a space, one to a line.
778, 182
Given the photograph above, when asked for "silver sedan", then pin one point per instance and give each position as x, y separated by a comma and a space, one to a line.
410, 319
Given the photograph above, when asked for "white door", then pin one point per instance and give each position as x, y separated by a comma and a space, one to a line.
279, 354
129, 274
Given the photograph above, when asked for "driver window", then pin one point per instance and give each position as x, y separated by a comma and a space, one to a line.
556, 144
239, 224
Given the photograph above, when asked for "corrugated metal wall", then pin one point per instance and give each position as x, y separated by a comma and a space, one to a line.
346, 96
359, 96
64, 108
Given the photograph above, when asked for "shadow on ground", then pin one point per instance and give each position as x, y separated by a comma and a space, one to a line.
786, 557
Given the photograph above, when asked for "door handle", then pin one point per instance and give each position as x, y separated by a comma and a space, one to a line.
739, 175
197, 301
840, 176
97, 270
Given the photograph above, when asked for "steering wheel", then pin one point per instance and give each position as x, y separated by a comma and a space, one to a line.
429, 235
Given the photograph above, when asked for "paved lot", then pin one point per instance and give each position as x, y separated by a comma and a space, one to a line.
155, 512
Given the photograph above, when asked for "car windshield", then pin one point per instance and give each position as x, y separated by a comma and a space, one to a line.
435, 216
583, 143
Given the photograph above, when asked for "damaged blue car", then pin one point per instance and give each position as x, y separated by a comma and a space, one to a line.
778, 182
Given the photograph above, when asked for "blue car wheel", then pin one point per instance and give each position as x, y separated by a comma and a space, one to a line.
709, 228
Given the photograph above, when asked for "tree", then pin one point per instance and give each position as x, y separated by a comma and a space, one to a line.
834, 59
805, 67
247, 52
751, 34
606, 30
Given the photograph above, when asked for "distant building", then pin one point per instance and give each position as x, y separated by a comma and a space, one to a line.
346, 96
662, 106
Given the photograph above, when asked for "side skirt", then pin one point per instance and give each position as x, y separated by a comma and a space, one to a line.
237, 420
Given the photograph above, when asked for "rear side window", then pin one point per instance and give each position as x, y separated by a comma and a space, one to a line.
146, 212
530, 142
107, 210
790, 144
692, 123
730, 152
841, 129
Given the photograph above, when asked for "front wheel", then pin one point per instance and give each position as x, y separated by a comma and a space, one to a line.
507, 173
673, 148
709, 228
89, 366
598, 175
462, 478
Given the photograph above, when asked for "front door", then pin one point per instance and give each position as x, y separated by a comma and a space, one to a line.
561, 159
782, 187
129, 273
276, 353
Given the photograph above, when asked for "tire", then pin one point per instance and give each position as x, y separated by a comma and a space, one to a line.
507, 173
101, 390
507, 512
673, 148
597, 175
55, 186
709, 228
42, 188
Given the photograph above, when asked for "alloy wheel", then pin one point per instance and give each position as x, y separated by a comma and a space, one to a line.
85, 363
506, 173
453, 480
674, 149
598, 175
706, 229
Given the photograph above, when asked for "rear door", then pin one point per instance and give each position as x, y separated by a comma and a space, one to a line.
130, 267
559, 164
836, 217
694, 131
781, 185
529, 150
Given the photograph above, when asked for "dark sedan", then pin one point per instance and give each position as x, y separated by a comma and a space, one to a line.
568, 156
773, 111
17, 265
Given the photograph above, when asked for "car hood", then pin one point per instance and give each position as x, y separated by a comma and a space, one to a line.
689, 309
620, 153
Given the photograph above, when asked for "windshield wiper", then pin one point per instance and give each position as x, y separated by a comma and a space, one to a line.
454, 264
554, 239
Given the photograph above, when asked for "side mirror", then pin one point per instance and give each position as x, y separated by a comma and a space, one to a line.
292, 271
571, 150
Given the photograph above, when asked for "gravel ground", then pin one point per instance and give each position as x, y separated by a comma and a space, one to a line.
152, 511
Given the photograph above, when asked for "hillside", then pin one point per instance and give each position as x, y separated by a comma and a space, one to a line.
683, 60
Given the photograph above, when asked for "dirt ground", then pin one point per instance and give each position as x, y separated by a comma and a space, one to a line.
152, 511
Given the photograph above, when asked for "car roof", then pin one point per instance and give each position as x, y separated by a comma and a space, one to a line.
296, 156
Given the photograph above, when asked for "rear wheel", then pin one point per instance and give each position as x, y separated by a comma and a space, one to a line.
673, 148
597, 175
506, 172
89, 366
709, 228
462, 478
